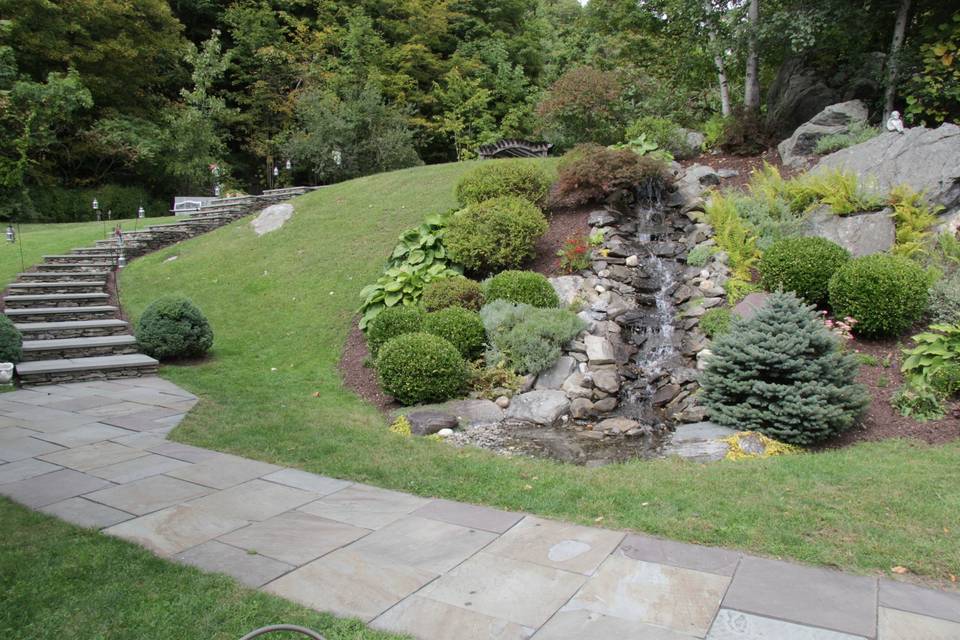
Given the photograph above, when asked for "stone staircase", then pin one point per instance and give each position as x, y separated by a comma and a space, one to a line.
72, 326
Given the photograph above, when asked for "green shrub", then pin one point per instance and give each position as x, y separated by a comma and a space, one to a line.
716, 322
527, 287
525, 338
420, 367
667, 135
858, 133
885, 294
737, 289
946, 380
802, 265
173, 327
462, 328
452, 292
782, 373
945, 299
497, 234
11, 342
701, 254
522, 178
392, 322
591, 173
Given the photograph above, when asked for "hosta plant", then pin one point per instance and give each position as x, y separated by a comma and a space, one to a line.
401, 285
935, 350
422, 245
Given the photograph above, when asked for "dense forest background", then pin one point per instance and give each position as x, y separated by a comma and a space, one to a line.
134, 101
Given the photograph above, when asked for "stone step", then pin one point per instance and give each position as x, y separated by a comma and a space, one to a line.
74, 267
55, 314
73, 329
69, 348
62, 276
76, 258
40, 287
94, 251
73, 300
78, 369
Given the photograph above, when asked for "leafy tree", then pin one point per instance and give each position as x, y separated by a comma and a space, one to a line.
583, 105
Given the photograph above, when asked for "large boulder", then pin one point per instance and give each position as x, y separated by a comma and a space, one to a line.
861, 234
796, 95
539, 407
926, 160
834, 119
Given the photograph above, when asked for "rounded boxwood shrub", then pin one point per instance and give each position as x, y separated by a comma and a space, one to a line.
885, 294
525, 287
392, 322
462, 328
11, 342
173, 327
457, 291
802, 265
496, 234
420, 367
784, 374
498, 178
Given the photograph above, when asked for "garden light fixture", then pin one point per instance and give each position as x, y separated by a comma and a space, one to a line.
11, 234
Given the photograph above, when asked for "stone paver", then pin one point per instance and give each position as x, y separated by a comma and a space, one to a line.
805, 595
520, 592
426, 544
432, 568
363, 506
556, 544
681, 600
349, 584
251, 569
425, 618
736, 625
902, 625
84, 513
295, 537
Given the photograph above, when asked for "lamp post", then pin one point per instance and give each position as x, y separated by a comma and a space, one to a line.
13, 236
96, 213
276, 174
140, 216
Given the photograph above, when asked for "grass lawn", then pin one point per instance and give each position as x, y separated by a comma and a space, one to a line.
39, 240
281, 306
65, 582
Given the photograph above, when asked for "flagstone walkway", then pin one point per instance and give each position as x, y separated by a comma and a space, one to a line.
95, 454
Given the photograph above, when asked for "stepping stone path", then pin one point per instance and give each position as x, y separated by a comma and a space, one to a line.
72, 328
95, 454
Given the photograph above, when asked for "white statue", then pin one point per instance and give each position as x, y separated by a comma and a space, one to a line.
895, 123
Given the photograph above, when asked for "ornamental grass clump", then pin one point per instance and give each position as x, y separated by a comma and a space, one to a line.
784, 374
525, 287
885, 294
420, 367
173, 327
11, 342
802, 265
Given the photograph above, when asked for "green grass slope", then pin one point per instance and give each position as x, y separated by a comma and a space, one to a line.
281, 307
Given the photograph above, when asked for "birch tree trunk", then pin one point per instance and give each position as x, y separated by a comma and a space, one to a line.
899, 30
718, 62
751, 92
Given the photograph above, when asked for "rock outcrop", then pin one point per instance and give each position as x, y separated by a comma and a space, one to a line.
861, 234
834, 119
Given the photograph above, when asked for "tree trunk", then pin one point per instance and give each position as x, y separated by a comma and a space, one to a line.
899, 30
718, 62
751, 92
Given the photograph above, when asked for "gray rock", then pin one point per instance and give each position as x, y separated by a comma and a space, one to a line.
476, 413
425, 423
665, 394
701, 442
693, 182
581, 408
606, 380
861, 234
605, 405
503, 402
554, 377
695, 141
701, 431
599, 350
682, 294
747, 308
577, 387
927, 160
728, 173
617, 425
445, 433
834, 119
568, 288
683, 375
601, 218
632, 261
540, 407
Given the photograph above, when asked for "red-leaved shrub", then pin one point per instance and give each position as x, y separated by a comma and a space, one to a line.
590, 173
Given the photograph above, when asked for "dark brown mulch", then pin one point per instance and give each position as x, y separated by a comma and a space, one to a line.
745, 165
358, 378
881, 420
563, 224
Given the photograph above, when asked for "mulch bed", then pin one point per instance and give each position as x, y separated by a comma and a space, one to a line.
564, 224
357, 377
744, 165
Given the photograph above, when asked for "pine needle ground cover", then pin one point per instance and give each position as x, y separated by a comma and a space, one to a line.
281, 307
